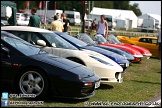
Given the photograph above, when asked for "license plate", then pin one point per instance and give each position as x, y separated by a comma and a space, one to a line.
97, 84
120, 80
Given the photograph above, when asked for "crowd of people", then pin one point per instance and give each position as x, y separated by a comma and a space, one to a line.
60, 23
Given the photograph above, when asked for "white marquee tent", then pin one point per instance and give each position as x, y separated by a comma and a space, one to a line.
116, 14
152, 16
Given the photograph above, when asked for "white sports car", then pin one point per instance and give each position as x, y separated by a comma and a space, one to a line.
105, 68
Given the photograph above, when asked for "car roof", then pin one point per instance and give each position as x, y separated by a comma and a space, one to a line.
10, 35
149, 37
25, 28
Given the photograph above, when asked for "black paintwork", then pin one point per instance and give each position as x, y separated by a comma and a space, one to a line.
66, 78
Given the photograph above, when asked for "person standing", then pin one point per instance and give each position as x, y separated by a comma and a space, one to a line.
93, 29
59, 17
26, 17
102, 27
57, 25
66, 22
159, 44
34, 20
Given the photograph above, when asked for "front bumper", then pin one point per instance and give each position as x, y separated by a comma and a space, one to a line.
74, 89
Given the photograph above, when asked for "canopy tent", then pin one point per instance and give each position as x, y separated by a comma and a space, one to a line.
12, 19
152, 16
116, 14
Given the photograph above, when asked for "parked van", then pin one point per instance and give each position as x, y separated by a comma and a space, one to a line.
74, 17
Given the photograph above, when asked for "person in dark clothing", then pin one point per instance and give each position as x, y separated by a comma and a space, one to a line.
35, 20
66, 22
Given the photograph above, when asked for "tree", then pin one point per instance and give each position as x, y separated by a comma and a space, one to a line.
22, 4
135, 9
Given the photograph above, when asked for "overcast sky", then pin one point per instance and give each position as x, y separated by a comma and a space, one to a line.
151, 7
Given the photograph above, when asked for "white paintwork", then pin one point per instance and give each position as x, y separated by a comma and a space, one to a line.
102, 70
25, 28
41, 42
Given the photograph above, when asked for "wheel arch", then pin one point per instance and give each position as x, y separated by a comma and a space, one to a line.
33, 67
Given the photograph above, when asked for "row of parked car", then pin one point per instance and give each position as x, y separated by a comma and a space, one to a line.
42, 62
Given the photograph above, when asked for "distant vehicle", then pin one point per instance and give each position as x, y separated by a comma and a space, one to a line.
100, 40
50, 13
74, 17
146, 42
88, 23
21, 19
20, 16
85, 38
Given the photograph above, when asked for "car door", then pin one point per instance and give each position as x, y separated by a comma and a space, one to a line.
6, 66
153, 47
7, 62
149, 44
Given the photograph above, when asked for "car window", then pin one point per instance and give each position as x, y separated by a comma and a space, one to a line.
57, 41
22, 46
154, 41
27, 36
70, 15
72, 39
142, 40
145, 40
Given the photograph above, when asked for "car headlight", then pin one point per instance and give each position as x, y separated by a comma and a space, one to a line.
102, 61
125, 56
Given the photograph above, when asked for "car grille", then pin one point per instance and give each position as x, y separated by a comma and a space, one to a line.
117, 75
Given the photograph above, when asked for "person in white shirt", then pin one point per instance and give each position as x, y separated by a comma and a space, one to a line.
159, 44
59, 17
102, 27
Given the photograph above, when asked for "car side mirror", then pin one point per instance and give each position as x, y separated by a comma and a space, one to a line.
5, 51
41, 42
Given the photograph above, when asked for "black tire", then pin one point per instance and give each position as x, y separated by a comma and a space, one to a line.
32, 81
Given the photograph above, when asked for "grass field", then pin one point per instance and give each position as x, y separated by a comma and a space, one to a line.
142, 81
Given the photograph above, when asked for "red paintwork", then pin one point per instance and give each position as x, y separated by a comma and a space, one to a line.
141, 49
131, 50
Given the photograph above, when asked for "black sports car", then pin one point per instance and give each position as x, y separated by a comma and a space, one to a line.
29, 70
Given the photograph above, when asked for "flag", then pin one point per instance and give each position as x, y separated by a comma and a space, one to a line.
40, 5
27, 4
55, 6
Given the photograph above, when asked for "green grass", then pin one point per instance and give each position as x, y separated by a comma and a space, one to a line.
142, 82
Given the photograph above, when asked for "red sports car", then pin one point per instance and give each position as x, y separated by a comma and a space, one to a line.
102, 41
114, 40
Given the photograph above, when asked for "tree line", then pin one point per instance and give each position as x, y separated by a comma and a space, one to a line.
78, 6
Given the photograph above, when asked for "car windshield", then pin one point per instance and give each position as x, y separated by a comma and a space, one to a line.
100, 38
73, 40
23, 46
57, 41
86, 38
113, 39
